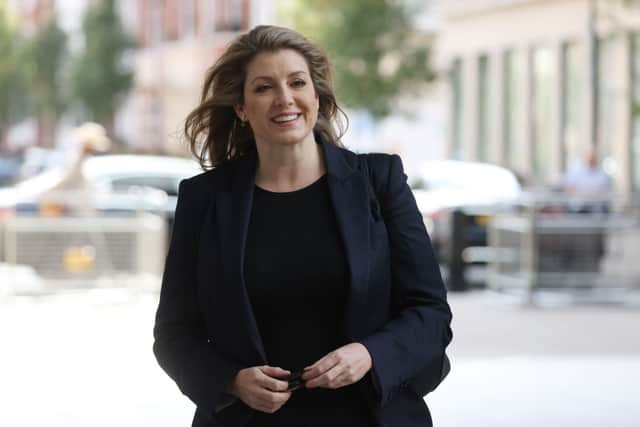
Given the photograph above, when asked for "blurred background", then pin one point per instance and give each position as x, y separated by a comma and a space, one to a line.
518, 122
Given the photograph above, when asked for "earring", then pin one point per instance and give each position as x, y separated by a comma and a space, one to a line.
243, 123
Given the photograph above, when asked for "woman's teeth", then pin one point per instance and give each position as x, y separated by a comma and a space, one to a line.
286, 118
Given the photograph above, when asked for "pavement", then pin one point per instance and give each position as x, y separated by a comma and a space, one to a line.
85, 358
556, 364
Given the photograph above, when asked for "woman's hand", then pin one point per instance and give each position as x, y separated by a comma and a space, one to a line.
263, 388
339, 368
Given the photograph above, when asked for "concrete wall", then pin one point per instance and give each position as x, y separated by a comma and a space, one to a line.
492, 27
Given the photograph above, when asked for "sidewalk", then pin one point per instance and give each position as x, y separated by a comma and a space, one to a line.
554, 367
488, 324
85, 359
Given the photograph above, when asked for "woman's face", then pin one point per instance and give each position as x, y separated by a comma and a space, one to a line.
280, 102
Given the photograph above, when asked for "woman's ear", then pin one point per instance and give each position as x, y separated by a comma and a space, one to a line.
239, 109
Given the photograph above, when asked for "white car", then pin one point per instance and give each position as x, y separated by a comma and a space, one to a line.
121, 183
475, 192
451, 183
131, 174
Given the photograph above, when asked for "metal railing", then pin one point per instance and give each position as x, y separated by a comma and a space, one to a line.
44, 254
555, 243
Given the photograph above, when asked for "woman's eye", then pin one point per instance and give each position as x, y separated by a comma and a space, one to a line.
262, 88
298, 83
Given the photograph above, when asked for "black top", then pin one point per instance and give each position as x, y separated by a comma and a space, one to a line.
297, 278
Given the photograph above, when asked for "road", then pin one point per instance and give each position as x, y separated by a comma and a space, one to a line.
85, 359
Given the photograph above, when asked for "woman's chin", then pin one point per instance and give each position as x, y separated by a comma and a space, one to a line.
289, 138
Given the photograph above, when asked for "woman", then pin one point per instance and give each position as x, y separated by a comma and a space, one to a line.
300, 287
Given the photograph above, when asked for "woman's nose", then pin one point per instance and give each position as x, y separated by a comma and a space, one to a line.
285, 96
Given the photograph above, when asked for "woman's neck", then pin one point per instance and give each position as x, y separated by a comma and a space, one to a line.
283, 168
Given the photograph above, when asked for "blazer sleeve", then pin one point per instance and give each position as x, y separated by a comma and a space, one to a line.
181, 345
411, 345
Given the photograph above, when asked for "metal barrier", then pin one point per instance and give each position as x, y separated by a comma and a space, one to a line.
43, 254
544, 247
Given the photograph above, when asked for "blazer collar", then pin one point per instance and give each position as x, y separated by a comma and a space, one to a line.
349, 192
335, 161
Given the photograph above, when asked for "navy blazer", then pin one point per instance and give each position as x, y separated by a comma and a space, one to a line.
205, 330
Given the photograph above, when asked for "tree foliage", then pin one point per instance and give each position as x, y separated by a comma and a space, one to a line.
376, 53
45, 55
11, 72
100, 77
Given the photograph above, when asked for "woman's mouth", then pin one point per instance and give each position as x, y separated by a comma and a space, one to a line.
285, 119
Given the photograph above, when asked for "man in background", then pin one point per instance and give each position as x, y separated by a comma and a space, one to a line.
587, 185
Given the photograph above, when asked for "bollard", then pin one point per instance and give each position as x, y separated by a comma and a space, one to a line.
456, 280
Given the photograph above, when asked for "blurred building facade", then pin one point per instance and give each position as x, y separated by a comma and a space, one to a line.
178, 41
532, 83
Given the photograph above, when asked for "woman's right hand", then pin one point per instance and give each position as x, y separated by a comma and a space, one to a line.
263, 388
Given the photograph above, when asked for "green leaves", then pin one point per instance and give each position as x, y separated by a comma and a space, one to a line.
99, 79
376, 53
45, 54
12, 80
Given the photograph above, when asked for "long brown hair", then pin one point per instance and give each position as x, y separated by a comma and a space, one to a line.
213, 130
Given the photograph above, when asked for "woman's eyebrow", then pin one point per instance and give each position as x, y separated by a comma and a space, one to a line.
294, 73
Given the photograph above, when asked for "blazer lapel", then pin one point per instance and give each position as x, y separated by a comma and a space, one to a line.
234, 213
350, 196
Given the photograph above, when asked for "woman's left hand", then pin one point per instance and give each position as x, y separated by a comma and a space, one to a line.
339, 368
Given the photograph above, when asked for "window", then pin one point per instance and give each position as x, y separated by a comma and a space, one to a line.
606, 95
513, 80
508, 94
573, 137
483, 108
229, 15
155, 24
634, 157
171, 19
542, 91
455, 77
187, 18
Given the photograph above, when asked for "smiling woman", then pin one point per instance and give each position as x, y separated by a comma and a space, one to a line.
300, 287
216, 131
281, 106
279, 102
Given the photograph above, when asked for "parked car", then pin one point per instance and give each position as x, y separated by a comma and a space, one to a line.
122, 183
131, 174
457, 202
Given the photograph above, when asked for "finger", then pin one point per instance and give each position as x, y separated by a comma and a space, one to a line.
327, 379
272, 384
274, 371
321, 366
343, 379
